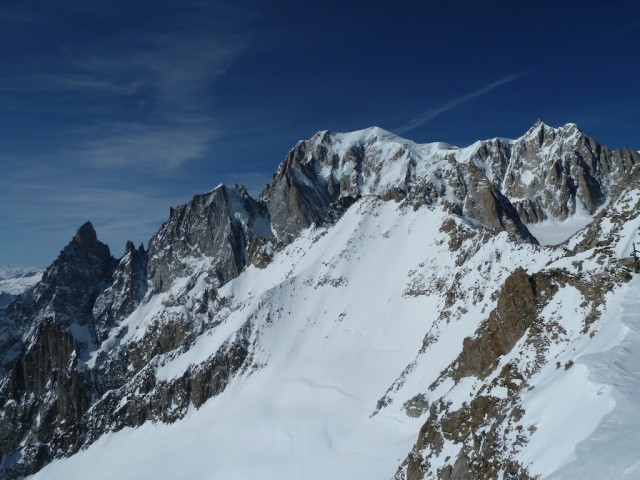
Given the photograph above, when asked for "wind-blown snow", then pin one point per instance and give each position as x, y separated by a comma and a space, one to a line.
595, 399
611, 449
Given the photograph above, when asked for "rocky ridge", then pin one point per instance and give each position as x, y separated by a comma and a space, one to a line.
546, 173
85, 348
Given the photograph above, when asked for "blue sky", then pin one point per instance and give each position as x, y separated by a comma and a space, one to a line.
113, 111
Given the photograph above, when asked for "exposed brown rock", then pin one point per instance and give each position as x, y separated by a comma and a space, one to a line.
516, 310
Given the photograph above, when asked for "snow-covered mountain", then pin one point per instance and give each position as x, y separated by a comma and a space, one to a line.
15, 280
381, 310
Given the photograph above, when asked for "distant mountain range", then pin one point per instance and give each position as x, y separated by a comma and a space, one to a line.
383, 309
15, 280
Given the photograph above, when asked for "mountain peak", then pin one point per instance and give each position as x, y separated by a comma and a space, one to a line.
130, 247
86, 234
220, 186
536, 128
540, 125
367, 134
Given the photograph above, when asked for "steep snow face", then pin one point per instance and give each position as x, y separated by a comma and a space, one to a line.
374, 161
608, 448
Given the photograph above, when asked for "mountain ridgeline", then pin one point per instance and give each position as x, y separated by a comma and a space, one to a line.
100, 343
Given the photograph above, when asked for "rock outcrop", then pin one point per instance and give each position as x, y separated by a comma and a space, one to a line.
319, 176
505, 184
510, 347
128, 288
66, 294
555, 172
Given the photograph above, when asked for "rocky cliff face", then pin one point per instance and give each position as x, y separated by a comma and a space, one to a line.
553, 172
322, 173
66, 294
522, 339
216, 227
128, 288
101, 344
546, 173
45, 331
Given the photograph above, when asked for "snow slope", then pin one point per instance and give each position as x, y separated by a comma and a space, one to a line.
335, 320
610, 449
15, 280
554, 232
301, 413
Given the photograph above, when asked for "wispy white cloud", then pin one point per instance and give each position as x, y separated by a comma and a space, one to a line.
174, 64
162, 147
54, 210
456, 102
136, 96
116, 119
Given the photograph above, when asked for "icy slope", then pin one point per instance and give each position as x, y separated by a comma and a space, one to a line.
332, 329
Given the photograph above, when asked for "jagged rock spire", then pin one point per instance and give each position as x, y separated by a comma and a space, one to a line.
86, 234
